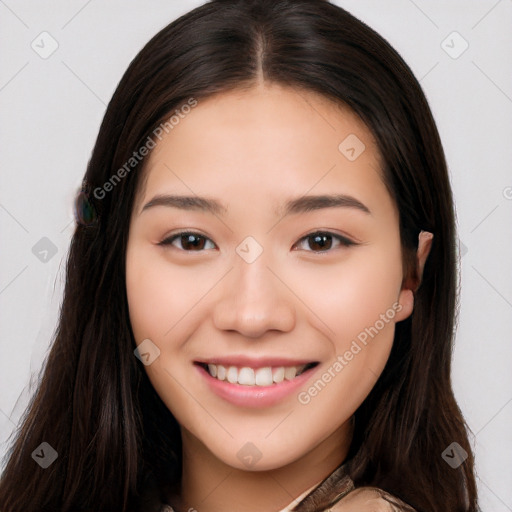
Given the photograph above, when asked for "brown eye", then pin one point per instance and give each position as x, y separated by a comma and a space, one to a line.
192, 242
319, 242
187, 241
323, 241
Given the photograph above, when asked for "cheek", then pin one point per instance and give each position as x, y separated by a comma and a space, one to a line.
158, 294
361, 306
156, 303
166, 306
146, 301
352, 296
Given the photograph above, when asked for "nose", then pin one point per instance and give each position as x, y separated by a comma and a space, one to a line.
253, 301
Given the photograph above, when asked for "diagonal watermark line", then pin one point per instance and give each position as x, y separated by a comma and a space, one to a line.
215, 488
279, 423
76, 14
198, 402
67, 225
14, 76
492, 211
294, 498
305, 99
490, 284
300, 300
13, 279
496, 496
424, 14
199, 300
303, 195
486, 14
428, 72
13, 218
165, 165
8, 417
492, 81
13, 13
372, 372
503, 407
83, 83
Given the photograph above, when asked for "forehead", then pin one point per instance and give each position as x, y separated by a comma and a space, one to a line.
270, 137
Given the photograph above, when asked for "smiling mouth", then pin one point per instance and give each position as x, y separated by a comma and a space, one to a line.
246, 376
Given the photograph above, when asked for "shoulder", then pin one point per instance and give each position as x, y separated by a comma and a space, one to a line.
166, 508
370, 499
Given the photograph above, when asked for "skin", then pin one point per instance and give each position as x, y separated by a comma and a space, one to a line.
253, 150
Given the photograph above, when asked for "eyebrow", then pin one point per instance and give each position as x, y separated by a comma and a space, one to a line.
292, 207
309, 203
186, 203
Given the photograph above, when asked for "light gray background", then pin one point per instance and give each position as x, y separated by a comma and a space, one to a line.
51, 109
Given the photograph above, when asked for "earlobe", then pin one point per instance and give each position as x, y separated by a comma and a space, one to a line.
406, 302
411, 285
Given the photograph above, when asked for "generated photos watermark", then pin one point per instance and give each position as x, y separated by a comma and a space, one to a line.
357, 345
149, 144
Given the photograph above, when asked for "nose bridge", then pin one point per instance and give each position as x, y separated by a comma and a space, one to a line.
253, 300
254, 282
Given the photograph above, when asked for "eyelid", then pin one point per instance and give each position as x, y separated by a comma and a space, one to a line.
169, 239
344, 240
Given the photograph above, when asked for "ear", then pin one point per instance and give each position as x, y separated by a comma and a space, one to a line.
412, 283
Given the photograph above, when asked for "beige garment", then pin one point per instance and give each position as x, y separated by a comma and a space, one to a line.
364, 499
370, 499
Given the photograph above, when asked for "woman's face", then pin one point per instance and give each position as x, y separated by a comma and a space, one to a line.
272, 290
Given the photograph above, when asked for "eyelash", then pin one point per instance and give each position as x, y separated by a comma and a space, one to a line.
343, 241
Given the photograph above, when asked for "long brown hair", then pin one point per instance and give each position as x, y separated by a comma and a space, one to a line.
118, 446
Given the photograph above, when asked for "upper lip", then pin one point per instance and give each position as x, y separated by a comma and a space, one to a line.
241, 361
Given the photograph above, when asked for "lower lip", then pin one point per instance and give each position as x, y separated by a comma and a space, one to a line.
254, 396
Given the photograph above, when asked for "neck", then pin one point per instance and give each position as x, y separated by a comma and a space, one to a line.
210, 485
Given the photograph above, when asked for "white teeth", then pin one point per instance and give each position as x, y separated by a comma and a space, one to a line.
290, 372
232, 374
246, 376
264, 376
221, 372
212, 368
278, 375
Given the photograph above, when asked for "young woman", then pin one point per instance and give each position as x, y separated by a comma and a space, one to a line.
261, 288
